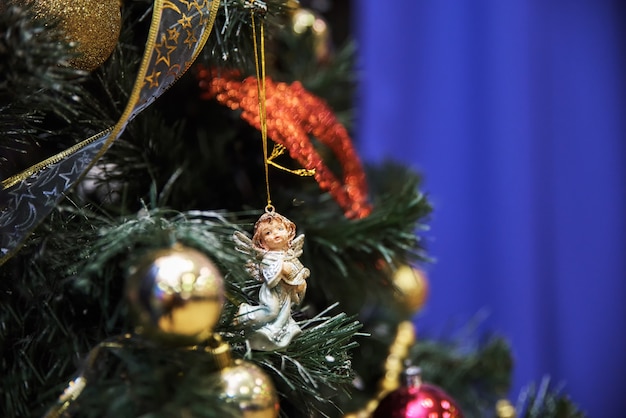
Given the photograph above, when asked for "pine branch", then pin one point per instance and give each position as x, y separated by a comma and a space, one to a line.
351, 257
139, 378
318, 360
476, 378
545, 401
332, 78
58, 302
231, 43
41, 97
316, 365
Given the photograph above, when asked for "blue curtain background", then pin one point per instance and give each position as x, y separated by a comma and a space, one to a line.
515, 113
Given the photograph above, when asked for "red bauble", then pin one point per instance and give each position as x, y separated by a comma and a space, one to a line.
417, 399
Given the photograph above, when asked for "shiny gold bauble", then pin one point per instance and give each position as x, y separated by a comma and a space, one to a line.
94, 25
412, 287
176, 295
250, 389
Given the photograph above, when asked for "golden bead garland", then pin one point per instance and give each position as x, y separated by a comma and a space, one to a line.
394, 365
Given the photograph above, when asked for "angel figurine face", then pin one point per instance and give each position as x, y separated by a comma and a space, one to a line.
273, 232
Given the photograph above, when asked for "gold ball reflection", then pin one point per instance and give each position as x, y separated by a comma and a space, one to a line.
176, 295
250, 389
412, 286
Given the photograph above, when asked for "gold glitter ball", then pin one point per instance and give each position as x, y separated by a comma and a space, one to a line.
94, 25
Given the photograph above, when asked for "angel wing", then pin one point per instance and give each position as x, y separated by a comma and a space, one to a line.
244, 244
297, 244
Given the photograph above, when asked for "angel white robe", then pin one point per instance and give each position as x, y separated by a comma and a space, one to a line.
272, 322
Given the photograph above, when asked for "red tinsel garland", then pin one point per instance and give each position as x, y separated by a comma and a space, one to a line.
292, 114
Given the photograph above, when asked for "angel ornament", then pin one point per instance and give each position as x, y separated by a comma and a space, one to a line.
274, 252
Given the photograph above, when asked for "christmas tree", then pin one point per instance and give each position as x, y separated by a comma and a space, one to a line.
139, 147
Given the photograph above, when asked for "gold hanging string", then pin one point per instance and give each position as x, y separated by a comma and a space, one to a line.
278, 149
260, 76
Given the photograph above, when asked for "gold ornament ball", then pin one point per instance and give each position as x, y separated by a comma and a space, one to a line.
176, 295
94, 25
250, 389
412, 286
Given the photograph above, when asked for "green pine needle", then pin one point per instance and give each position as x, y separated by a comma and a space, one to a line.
475, 374
315, 369
545, 401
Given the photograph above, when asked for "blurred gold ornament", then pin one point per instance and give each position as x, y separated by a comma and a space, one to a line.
93, 25
176, 295
412, 286
250, 389
245, 385
303, 20
504, 409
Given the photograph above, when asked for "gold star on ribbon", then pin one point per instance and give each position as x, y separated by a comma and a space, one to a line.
173, 34
185, 21
153, 79
191, 39
164, 51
